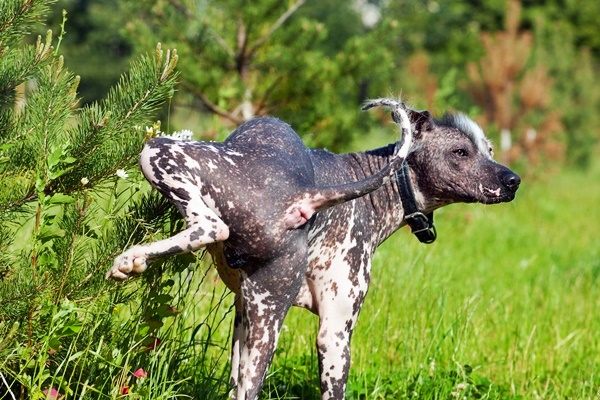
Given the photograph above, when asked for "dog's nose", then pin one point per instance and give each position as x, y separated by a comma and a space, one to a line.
511, 180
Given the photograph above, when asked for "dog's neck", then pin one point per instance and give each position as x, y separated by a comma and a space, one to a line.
386, 204
383, 210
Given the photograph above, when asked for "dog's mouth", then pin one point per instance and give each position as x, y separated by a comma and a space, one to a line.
500, 188
497, 195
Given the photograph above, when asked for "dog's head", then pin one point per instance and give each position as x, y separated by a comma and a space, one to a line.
452, 161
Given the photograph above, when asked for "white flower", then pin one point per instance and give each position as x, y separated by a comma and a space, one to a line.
85, 181
184, 134
149, 130
122, 174
461, 386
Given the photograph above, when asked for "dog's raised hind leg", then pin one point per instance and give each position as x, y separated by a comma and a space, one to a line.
203, 227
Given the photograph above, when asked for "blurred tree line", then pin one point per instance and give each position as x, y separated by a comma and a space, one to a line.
524, 70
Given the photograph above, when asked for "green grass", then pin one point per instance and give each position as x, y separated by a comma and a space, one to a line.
503, 306
506, 301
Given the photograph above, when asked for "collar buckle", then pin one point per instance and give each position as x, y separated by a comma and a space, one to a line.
422, 226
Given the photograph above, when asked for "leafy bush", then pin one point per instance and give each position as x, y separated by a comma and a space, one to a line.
67, 207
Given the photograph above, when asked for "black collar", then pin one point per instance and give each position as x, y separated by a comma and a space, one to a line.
421, 225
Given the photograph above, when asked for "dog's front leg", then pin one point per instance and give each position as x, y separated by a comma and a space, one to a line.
338, 310
333, 348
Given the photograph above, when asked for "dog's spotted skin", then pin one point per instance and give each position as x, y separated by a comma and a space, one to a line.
252, 201
249, 200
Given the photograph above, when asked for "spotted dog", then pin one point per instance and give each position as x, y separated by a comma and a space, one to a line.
262, 204
249, 200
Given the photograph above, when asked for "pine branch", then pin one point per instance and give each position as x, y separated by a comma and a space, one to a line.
105, 138
18, 65
280, 21
37, 131
17, 17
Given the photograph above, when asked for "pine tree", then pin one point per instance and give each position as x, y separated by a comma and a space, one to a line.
271, 58
64, 212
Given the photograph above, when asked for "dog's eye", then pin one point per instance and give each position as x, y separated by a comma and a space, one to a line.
461, 152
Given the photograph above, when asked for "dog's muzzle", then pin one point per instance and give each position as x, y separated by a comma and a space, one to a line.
503, 189
510, 180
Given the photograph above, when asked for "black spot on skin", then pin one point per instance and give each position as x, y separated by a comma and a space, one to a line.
198, 233
348, 328
334, 287
174, 250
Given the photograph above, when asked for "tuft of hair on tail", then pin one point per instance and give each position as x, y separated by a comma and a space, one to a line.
400, 117
383, 102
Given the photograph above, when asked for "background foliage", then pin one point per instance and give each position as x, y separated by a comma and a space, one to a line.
71, 197
304, 61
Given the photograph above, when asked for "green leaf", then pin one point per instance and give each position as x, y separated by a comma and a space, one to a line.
48, 260
163, 298
56, 174
55, 156
165, 310
60, 198
50, 232
54, 343
71, 329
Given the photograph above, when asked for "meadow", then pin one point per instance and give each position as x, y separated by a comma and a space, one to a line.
502, 306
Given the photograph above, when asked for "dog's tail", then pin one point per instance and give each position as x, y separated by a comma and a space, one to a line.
321, 198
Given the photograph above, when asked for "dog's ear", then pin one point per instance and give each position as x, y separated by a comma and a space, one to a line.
420, 121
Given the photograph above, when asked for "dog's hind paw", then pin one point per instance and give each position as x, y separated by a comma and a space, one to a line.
132, 262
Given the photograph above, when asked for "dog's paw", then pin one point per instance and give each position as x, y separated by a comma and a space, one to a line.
132, 262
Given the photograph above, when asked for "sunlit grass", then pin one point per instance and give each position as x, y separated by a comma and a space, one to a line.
503, 306
506, 299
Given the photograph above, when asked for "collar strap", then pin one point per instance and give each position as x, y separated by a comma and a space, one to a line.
420, 224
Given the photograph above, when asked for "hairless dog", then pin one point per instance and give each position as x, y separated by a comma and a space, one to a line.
287, 225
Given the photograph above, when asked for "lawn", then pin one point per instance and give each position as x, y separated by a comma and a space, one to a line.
503, 306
